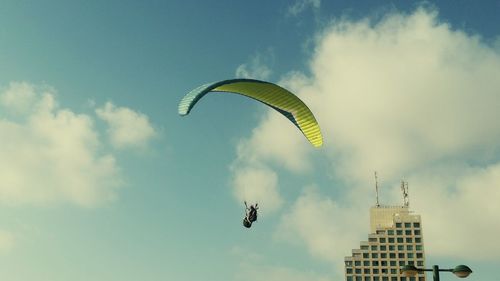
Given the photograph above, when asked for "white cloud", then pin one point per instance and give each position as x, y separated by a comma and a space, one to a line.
257, 67
258, 185
276, 140
328, 230
461, 202
127, 128
253, 178
51, 154
404, 93
410, 97
20, 98
301, 5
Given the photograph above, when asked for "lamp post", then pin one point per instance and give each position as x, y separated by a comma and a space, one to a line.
460, 271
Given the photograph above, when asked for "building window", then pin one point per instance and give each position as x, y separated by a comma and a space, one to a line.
374, 255
408, 232
416, 224
394, 271
417, 232
385, 278
392, 255
401, 247
382, 240
348, 263
401, 255
412, 278
401, 263
390, 232
348, 270
376, 278
372, 239
419, 247
358, 270
366, 263
375, 271
392, 248
407, 224
393, 278
364, 247
349, 278
367, 278
420, 263
409, 247
411, 262
419, 255
366, 255
392, 263
383, 255
409, 255
408, 240
358, 278
375, 263
418, 240
391, 240
421, 278
374, 247
398, 225
399, 232
383, 248
366, 271
400, 240
383, 263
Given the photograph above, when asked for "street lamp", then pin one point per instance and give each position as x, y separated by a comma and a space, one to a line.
460, 271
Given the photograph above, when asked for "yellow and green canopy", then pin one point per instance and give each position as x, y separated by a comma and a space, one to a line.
268, 93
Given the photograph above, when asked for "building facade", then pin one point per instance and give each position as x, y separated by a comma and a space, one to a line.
395, 240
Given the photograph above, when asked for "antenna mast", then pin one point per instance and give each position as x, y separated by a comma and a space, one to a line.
376, 189
404, 189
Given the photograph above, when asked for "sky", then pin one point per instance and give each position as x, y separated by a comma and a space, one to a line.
101, 179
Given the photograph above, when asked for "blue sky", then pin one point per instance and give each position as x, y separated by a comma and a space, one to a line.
101, 179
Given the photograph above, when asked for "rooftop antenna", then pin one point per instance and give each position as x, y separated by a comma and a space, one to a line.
404, 189
376, 189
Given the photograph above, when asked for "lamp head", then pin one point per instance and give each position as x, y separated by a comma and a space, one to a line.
462, 271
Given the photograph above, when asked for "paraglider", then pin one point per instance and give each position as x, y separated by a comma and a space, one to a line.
268, 93
250, 215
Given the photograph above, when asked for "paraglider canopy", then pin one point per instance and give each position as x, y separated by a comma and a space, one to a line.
268, 93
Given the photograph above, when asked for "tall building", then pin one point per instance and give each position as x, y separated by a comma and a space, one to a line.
395, 240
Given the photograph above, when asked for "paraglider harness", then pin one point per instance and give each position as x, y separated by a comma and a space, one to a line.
250, 215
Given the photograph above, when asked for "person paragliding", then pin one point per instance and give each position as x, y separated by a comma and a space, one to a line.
270, 94
250, 215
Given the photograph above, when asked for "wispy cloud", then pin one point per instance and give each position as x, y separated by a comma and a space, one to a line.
410, 97
257, 68
127, 128
301, 5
